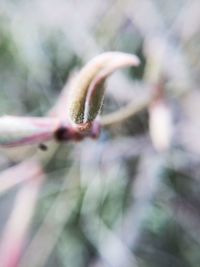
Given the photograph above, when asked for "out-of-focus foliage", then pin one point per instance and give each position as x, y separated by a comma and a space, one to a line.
113, 201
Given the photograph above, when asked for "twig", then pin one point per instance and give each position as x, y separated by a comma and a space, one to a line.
13, 240
18, 174
124, 113
43, 242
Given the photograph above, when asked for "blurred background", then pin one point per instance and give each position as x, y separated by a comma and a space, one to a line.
121, 200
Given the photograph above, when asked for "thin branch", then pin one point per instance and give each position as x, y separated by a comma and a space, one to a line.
18, 131
22, 172
43, 242
13, 240
124, 113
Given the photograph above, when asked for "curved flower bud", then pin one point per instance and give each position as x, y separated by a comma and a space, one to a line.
87, 89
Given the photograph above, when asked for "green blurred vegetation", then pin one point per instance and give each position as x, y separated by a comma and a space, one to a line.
117, 188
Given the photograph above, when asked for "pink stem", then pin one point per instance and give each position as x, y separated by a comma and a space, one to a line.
14, 237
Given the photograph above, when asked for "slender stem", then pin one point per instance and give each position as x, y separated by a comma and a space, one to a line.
124, 113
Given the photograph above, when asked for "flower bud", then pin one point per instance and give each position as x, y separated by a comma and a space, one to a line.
87, 89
